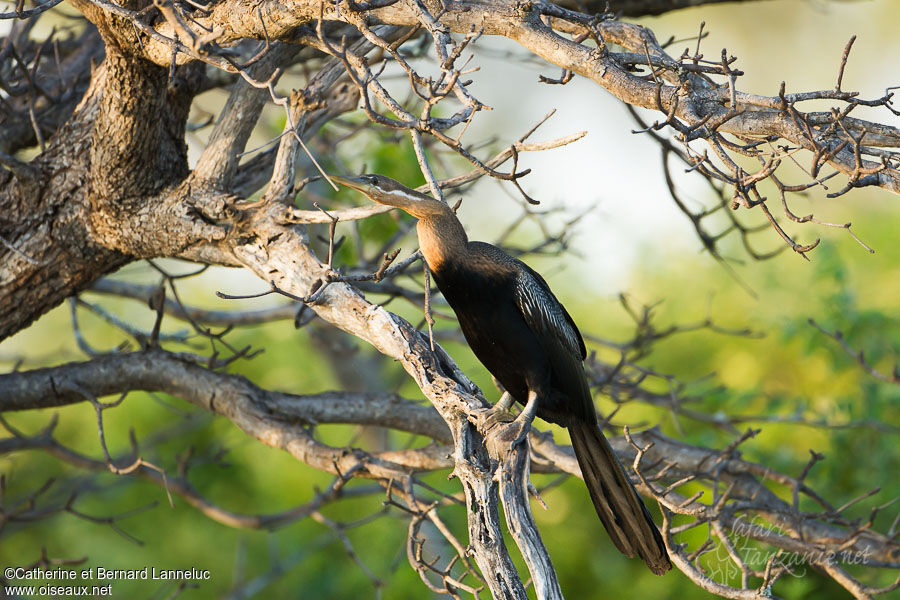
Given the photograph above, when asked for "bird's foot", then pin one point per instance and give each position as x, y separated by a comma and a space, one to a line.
514, 429
523, 427
504, 437
497, 415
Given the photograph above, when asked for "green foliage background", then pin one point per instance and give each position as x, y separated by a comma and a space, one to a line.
792, 371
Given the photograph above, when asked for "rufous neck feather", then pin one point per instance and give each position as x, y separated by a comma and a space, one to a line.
442, 239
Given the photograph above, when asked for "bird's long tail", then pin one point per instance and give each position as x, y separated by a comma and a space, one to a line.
617, 503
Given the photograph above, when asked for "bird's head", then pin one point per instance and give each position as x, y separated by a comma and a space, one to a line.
385, 190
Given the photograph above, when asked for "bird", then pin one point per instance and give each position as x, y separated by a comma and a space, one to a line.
526, 339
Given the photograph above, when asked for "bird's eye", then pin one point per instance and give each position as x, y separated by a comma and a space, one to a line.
373, 180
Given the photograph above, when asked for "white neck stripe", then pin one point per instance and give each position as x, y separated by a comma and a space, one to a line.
406, 195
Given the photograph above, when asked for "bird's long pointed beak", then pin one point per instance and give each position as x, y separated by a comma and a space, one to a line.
357, 183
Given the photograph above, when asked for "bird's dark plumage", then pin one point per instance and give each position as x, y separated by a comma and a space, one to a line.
525, 337
529, 343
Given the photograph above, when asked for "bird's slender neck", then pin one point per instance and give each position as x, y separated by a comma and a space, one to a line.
441, 235
442, 238
415, 203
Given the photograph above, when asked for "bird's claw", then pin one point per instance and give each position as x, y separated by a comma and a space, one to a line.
503, 438
499, 425
496, 416
507, 436
523, 434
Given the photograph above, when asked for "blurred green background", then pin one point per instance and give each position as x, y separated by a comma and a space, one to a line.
635, 242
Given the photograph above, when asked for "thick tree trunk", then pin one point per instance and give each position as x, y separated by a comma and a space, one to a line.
48, 251
90, 202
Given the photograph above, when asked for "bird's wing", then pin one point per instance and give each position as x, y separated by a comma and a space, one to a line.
545, 315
